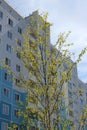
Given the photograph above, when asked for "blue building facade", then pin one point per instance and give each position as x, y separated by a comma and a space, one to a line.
9, 100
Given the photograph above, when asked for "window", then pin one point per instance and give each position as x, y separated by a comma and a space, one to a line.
86, 97
10, 22
6, 77
9, 34
17, 81
75, 102
4, 126
71, 103
33, 128
19, 30
81, 101
8, 62
18, 42
80, 92
5, 109
70, 112
16, 128
70, 85
16, 113
17, 97
18, 55
86, 94
8, 48
1, 14
18, 68
69, 93
0, 27
6, 92
33, 35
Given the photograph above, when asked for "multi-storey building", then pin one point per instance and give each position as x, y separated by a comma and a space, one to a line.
11, 29
82, 91
12, 26
76, 100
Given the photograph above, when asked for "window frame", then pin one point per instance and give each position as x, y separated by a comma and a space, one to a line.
6, 77
19, 42
17, 82
18, 68
17, 99
18, 55
7, 61
8, 48
4, 126
1, 14
7, 93
16, 113
10, 22
20, 30
0, 28
5, 109
10, 35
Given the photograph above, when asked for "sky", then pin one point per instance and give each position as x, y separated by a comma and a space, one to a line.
65, 15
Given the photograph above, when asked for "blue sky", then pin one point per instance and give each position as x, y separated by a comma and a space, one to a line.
65, 15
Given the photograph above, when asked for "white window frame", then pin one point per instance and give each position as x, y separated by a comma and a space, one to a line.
20, 30
17, 94
10, 22
10, 35
19, 42
7, 77
7, 93
18, 68
1, 15
8, 48
15, 114
5, 109
7, 61
4, 126
0, 28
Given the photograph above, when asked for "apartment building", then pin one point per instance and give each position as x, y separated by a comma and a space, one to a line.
12, 27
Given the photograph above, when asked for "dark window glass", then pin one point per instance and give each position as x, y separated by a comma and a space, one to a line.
0, 27
8, 48
17, 82
9, 34
17, 97
8, 62
7, 77
19, 30
1, 14
18, 68
6, 92
18, 55
16, 113
10, 22
18, 42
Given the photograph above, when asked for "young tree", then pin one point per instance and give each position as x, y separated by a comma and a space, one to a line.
83, 119
50, 69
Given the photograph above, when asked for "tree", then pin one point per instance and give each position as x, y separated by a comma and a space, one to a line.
50, 69
83, 119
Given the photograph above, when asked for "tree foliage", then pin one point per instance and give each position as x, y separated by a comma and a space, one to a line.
50, 69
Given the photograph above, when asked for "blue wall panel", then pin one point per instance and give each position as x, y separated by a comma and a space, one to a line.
10, 101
